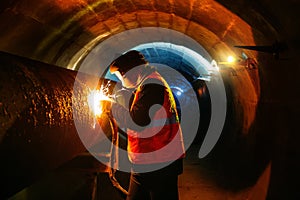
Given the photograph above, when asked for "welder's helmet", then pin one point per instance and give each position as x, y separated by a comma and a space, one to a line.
127, 61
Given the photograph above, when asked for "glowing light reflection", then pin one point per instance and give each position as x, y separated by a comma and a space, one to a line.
95, 97
230, 59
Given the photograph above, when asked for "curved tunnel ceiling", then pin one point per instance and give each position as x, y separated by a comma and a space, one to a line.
62, 28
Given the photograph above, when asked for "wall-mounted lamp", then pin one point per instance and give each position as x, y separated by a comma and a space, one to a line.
274, 49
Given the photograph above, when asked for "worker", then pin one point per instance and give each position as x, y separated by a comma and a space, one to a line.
155, 143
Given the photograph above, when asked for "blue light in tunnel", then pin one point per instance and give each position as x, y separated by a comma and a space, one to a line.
177, 91
199, 61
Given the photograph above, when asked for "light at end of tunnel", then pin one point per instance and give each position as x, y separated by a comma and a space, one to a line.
214, 65
177, 90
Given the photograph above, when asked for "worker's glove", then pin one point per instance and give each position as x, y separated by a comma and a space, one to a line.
120, 106
122, 97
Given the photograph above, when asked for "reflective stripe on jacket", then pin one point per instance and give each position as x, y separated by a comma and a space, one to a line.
160, 141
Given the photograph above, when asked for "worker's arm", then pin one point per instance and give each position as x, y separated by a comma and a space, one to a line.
136, 115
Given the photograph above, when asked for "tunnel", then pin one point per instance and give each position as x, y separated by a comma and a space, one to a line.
53, 53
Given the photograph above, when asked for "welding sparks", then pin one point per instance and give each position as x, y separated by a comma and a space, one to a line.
95, 97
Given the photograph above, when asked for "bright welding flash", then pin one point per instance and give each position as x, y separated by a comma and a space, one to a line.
95, 97
94, 102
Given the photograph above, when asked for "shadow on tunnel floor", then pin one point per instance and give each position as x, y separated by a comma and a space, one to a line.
83, 177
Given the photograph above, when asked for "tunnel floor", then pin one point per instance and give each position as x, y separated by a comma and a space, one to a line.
78, 180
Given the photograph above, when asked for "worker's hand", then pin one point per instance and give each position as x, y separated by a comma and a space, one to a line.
122, 97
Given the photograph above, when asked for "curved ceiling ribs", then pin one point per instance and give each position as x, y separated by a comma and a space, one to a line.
55, 31
62, 28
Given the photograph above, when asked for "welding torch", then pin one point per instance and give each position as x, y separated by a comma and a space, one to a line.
107, 101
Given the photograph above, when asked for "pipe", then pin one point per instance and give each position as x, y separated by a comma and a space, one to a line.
37, 130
